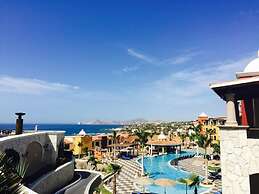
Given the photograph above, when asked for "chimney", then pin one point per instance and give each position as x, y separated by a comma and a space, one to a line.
19, 123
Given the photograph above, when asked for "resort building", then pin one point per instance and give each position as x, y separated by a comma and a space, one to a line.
211, 123
101, 141
125, 143
202, 118
161, 144
240, 134
79, 144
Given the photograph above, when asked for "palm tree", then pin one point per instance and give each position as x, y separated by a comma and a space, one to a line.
184, 181
92, 160
115, 169
11, 176
143, 138
85, 151
192, 138
194, 182
204, 141
216, 148
182, 136
80, 145
114, 137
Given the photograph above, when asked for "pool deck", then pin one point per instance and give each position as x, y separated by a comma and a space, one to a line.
196, 165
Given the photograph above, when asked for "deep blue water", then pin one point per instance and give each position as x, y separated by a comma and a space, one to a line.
70, 129
159, 167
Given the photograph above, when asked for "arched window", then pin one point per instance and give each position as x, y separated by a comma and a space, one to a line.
34, 157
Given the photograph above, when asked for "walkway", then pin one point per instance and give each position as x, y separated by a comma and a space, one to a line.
80, 187
125, 179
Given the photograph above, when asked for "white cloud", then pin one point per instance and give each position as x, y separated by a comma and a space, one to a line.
32, 86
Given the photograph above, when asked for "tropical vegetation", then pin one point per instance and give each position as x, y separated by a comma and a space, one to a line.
216, 148
11, 175
114, 137
143, 138
203, 140
193, 181
115, 169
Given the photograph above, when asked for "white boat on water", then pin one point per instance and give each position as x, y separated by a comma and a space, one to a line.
36, 128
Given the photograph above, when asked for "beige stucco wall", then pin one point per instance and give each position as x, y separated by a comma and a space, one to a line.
239, 159
46, 151
55, 179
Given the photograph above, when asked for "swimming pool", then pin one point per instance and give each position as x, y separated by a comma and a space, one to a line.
159, 167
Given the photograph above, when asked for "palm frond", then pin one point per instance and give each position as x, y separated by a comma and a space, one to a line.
11, 176
21, 168
182, 180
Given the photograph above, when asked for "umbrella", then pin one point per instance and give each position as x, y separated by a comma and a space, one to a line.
165, 183
143, 181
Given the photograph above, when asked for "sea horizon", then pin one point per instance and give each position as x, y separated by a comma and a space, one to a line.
70, 129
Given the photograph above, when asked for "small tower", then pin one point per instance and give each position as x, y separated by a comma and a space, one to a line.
19, 123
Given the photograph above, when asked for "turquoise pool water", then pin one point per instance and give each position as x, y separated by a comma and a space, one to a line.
159, 167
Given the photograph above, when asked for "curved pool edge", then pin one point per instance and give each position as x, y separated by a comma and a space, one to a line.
167, 163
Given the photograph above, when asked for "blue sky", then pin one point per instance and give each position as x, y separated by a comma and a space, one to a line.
70, 61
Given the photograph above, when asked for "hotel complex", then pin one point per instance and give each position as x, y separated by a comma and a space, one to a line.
149, 157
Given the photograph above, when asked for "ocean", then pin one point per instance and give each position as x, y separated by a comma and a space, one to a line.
70, 129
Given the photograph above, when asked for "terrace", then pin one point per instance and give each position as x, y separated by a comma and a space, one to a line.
43, 151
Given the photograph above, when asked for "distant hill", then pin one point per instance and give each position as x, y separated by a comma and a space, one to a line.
105, 122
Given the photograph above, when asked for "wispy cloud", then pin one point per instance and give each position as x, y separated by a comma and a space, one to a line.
189, 83
32, 86
129, 69
140, 56
183, 58
175, 60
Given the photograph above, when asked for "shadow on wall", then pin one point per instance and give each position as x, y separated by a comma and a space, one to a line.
40, 151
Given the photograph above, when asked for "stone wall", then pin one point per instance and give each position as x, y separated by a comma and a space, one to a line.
37, 149
239, 159
55, 179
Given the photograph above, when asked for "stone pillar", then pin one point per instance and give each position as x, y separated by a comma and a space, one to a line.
235, 160
231, 111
